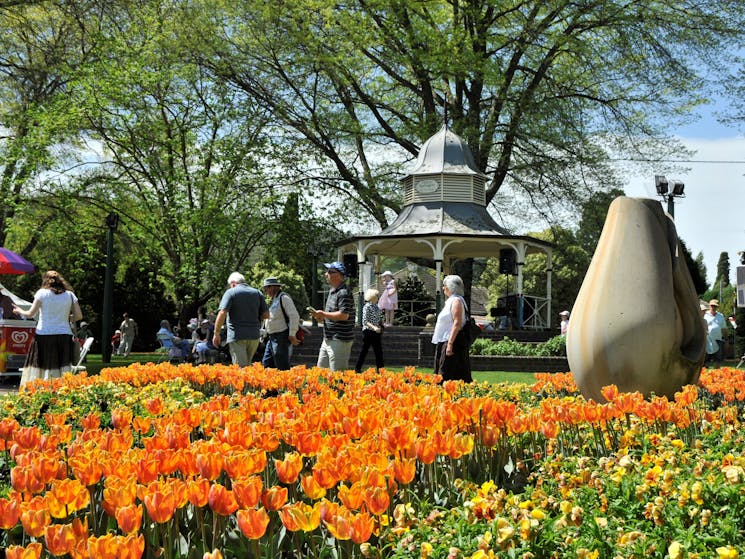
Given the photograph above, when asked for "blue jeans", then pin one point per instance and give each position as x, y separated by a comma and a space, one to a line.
277, 351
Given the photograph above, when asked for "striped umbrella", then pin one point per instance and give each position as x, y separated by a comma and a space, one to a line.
12, 263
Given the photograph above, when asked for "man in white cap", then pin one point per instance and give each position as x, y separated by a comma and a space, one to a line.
564, 322
281, 326
338, 320
715, 325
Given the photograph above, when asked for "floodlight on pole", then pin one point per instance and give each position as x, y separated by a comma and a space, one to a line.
669, 190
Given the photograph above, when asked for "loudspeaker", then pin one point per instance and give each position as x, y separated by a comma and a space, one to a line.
507, 261
350, 263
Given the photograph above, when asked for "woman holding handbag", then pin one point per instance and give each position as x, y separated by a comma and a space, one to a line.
372, 330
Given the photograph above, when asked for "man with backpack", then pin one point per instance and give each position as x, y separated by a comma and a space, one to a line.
281, 326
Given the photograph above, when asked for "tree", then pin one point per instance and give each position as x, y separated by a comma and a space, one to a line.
183, 161
723, 271
592, 221
696, 268
42, 48
544, 94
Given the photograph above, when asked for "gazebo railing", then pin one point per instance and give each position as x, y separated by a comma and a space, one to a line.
535, 312
412, 313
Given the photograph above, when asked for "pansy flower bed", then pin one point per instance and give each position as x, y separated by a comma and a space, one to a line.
216, 461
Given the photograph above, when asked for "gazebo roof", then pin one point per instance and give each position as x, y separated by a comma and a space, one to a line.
445, 152
443, 218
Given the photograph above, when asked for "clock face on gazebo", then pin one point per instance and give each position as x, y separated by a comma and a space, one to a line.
427, 186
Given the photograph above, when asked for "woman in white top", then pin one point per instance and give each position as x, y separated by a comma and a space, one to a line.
51, 352
451, 351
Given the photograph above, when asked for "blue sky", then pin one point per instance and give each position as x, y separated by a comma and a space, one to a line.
710, 216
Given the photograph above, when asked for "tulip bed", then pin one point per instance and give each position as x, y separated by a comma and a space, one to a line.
216, 461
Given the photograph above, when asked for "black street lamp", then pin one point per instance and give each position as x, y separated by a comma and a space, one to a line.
669, 190
112, 221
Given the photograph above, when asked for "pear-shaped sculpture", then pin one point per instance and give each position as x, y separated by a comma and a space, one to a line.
636, 322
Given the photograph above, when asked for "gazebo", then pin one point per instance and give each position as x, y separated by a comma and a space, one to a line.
445, 219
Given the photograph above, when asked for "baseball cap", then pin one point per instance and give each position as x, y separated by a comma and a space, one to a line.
338, 266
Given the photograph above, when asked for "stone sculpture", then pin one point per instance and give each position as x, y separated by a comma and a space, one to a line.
636, 321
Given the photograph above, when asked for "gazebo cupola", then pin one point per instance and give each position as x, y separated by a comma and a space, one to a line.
445, 172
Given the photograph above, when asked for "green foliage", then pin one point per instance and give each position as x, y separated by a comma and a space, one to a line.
555, 346
292, 282
723, 271
696, 267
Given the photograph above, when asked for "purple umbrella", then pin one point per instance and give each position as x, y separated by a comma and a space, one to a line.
12, 263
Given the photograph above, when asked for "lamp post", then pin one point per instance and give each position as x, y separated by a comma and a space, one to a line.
669, 190
112, 221
313, 251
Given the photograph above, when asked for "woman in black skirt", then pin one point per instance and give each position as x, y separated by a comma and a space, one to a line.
51, 352
450, 336
372, 329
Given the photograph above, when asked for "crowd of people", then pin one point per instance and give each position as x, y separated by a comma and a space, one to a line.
251, 325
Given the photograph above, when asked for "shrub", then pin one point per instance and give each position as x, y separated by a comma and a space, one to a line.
555, 346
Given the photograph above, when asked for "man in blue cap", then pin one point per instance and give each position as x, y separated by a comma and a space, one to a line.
338, 320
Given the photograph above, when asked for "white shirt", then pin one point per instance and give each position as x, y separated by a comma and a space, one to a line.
276, 322
54, 313
445, 320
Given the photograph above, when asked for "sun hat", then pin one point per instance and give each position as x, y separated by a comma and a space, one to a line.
272, 281
714, 303
338, 266
387, 273
564, 313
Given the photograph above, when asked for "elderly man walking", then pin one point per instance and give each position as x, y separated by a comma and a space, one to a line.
244, 308
338, 320
281, 327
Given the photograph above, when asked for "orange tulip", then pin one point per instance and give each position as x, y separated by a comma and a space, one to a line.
252, 522
154, 406
210, 465
398, 437
87, 468
141, 424
121, 418
129, 518
112, 546
23, 480
215, 554
160, 504
609, 392
46, 467
274, 497
65, 497
325, 477
289, 468
425, 451
91, 421
147, 470
301, 516
119, 492
308, 442
352, 497
248, 491
312, 488
10, 513
31, 551
404, 470
198, 491
35, 520
377, 500
340, 525
59, 539
362, 527
462, 445
27, 438
222, 500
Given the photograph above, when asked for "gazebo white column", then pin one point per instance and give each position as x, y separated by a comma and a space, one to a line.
549, 271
